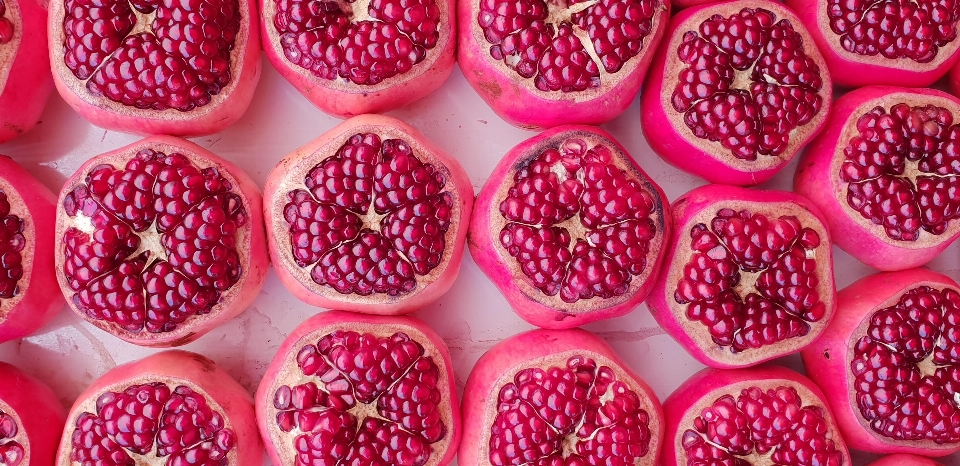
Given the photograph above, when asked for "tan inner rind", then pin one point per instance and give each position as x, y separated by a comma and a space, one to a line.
22, 437
18, 208
8, 51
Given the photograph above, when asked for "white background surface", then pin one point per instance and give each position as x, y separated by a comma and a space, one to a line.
69, 354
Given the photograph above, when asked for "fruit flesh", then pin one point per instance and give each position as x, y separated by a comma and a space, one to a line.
11, 451
12, 243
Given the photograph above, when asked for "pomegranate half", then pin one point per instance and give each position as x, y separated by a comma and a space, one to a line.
570, 228
884, 175
365, 56
25, 81
749, 276
369, 217
735, 92
558, 397
160, 241
904, 460
31, 419
355, 389
174, 408
178, 67
27, 276
891, 363
541, 63
892, 42
751, 417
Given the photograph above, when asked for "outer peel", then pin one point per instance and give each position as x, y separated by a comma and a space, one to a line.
904, 460
26, 83
40, 415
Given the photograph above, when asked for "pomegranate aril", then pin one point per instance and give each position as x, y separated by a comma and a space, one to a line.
414, 401
11, 451
894, 29
12, 243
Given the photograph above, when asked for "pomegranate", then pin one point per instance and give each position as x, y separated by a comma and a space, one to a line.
173, 408
25, 81
749, 276
27, 218
353, 389
569, 228
736, 91
680, 4
365, 56
31, 418
884, 175
558, 397
757, 416
160, 241
543, 63
904, 460
179, 67
894, 42
890, 363
370, 217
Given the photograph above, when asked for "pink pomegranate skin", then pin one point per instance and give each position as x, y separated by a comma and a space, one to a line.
38, 413
36, 305
828, 360
680, 4
853, 70
904, 460
28, 81
527, 350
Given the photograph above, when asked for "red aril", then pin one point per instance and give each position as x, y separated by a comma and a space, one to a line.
31, 419
890, 364
904, 460
184, 68
25, 81
558, 397
751, 417
160, 241
364, 56
884, 175
735, 92
174, 408
749, 275
369, 217
541, 63
353, 389
894, 42
570, 228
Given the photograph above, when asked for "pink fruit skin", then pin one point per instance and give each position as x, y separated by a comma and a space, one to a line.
675, 148
486, 256
520, 106
689, 3
29, 83
684, 209
826, 359
813, 181
904, 460
527, 348
849, 73
41, 415
332, 318
38, 304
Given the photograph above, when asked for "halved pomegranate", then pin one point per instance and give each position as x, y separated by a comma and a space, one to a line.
361, 56
886, 173
736, 91
370, 217
751, 417
353, 389
31, 419
25, 81
904, 460
908, 43
554, 398
27, 276
543, 63
180, 67
891, 363
174, 408
160, 241
749, 276
570, 228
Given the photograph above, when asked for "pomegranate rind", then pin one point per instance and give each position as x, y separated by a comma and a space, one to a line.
175, 368
828, 360
284, 370
818, 179
25, 79
517, 100
34, 306
541, 348
676, 144
700, 206
289, 174
680, 4
853, 70
904, 460
705, 387
344, 99
254, 260
224, 108
38, 412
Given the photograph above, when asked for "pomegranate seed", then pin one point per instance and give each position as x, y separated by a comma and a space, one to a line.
12, 243
895, 29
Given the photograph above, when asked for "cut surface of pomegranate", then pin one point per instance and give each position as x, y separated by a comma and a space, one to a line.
160, 241
569, 228
369, 217
558, 397
31, 418
351, 389
25, 81
737, 90
749, 275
